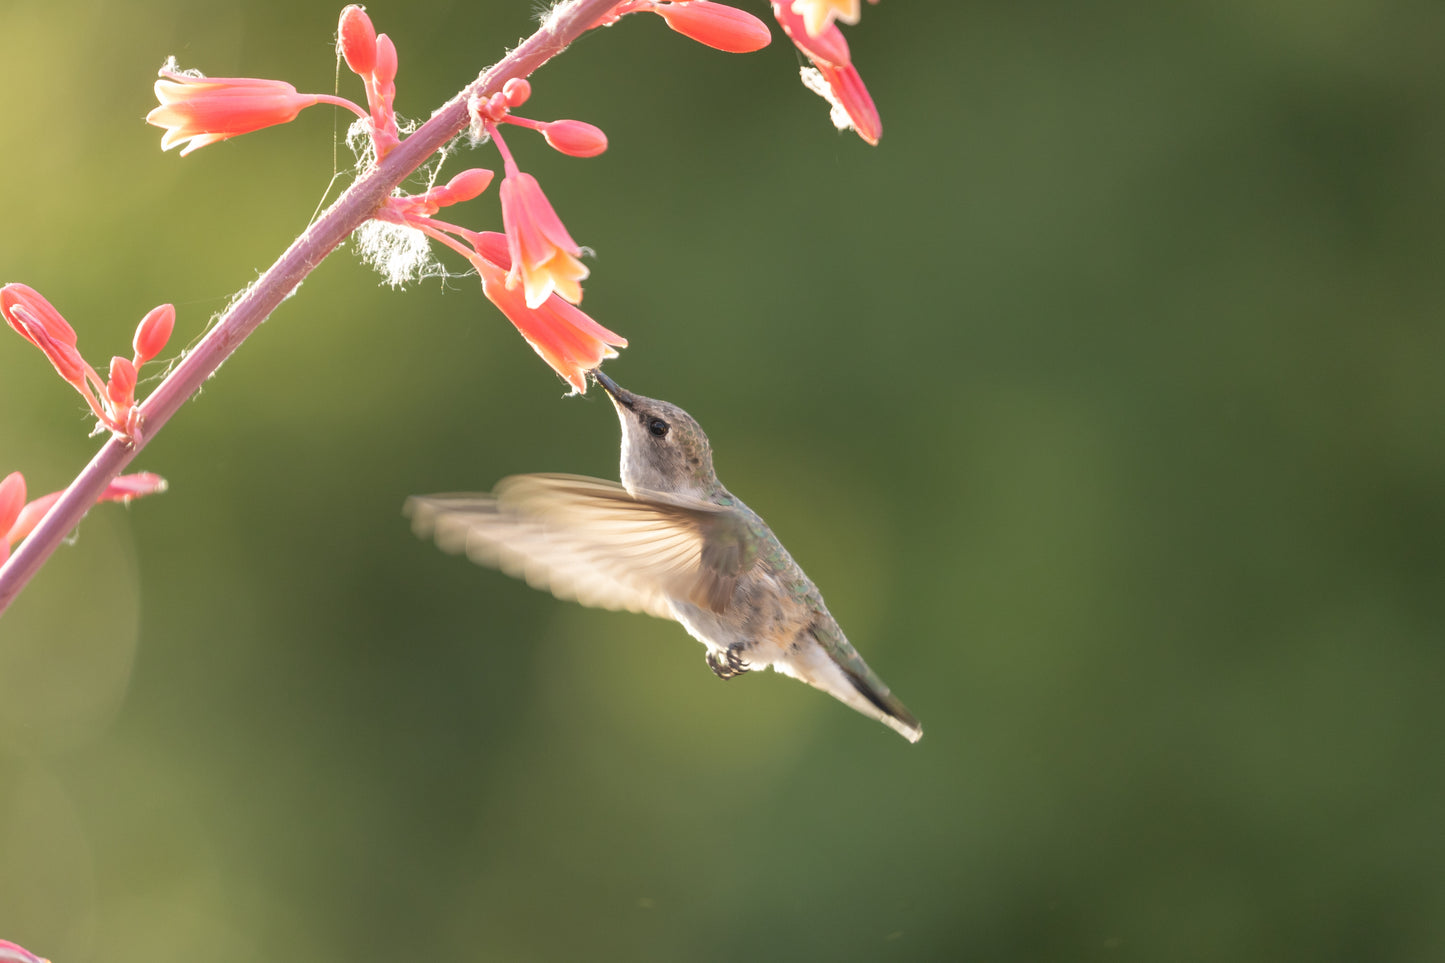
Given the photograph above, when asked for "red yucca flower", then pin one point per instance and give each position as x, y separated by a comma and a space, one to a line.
563, 335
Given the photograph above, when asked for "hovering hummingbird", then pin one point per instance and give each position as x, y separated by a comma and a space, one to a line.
670, 541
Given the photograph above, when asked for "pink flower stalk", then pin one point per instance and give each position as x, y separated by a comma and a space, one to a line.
13, 952
206, 110
840, 82
18, 518
561, 334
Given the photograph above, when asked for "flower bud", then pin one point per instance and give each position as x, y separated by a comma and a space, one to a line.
12, 499
121, 387
153, 332
516, 91
19, 301
357, 39
716, 24
465, 186
575, 137
385, 68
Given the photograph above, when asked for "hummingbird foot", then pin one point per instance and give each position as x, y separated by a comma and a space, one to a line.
727, 663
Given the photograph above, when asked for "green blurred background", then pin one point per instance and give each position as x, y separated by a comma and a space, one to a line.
1103, 400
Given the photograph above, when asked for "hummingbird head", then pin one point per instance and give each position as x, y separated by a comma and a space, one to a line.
663, 448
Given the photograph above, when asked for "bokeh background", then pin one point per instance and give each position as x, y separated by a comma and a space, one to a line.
1103, 400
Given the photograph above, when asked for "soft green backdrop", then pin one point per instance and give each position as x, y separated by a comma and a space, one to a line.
1104, 401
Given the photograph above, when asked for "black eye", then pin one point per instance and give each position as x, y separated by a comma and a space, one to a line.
658, 427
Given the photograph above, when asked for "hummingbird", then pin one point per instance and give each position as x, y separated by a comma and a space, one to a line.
669, 541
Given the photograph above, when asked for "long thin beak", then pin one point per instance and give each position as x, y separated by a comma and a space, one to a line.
619, 394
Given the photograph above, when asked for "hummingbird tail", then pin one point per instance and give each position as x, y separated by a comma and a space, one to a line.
894, 714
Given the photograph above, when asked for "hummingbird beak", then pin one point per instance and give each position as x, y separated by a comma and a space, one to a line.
620, 395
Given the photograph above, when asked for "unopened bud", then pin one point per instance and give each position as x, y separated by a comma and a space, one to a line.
66, 359
465, 186
385, 67
357, 39
716, 24
493, 247
153, 332
121, 387
12, 499
21, 299
516, 91
575, 137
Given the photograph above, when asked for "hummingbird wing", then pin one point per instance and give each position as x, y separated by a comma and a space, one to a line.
592, 541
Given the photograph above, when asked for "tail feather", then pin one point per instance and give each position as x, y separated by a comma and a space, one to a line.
895, 714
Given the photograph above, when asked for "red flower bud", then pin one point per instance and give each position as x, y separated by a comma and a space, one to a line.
121, 388
516, 91
716, 24
33, 306
385, 66
12, 499
575, 137
465, 186
153, 332
357, 39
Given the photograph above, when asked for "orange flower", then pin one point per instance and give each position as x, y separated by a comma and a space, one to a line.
205, 110
543, 254
809, 24
563, 335
818, 15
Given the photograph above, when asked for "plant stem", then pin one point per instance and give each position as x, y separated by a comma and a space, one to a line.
566, 23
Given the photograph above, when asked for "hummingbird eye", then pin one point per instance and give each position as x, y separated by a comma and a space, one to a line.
658, 427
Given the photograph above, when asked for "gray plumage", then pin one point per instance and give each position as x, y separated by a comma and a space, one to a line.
669, 541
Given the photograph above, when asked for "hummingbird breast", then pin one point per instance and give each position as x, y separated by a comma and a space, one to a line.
764, 616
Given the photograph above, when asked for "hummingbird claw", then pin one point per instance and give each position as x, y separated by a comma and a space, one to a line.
728, 663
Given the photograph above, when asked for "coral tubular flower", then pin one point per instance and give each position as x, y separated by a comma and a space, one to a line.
123, 488
851, 96
561, 334
543, 254
818, 15
834, 77
198, 111
716, 24
827, 46
13, 952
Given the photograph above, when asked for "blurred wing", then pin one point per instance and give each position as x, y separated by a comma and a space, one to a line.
592, 541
